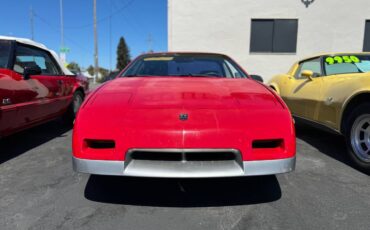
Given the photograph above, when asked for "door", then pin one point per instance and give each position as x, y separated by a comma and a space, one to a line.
7, 110
344, 77
304, 94
38, 97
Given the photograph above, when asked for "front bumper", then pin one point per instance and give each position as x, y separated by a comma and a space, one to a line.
184, 169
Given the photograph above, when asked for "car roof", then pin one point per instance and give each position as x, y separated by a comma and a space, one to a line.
24, 41
181, 53
30, 42
333, 54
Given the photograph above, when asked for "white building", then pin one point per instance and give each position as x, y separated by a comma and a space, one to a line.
267, 36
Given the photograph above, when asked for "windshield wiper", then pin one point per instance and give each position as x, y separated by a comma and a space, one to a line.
195, 75
182, 75
174, 75
138, 75
205, 75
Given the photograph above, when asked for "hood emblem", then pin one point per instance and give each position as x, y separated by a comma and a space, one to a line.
183, 116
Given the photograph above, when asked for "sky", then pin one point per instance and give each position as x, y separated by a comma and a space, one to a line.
135, 20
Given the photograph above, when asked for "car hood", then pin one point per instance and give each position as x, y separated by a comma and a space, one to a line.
184, 93
146, 113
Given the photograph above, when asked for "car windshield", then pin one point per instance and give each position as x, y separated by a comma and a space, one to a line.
343, 64
184, 65
4, 53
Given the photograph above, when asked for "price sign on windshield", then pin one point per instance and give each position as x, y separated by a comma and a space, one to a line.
341, 59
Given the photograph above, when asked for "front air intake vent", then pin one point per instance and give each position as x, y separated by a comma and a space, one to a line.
184, 155
210, 156
156, 156
100, 144
267, 144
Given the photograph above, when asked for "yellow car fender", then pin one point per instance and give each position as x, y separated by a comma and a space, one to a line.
349, 100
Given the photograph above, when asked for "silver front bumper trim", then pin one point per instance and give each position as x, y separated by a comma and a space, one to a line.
184, 169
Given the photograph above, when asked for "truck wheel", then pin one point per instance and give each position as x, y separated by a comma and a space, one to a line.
358, 136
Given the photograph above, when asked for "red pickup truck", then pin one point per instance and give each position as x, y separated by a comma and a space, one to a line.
34, 86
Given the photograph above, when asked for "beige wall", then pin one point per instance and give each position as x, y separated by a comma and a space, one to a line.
224, 26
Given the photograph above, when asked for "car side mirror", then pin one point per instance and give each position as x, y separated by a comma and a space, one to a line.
31, 70
307, 74
257, 78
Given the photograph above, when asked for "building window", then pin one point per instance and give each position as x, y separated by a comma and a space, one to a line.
274, 35
367, 37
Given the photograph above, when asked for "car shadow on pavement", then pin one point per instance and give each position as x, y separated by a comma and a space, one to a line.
183, 192
328, 143
19, 143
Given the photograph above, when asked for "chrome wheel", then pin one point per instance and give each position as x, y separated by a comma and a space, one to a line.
77, 102
360, 137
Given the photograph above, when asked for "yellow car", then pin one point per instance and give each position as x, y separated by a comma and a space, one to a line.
332, 90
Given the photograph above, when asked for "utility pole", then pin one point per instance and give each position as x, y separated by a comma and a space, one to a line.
62, 48
150, 43
110, 37
61, 24
95, 45
31, 21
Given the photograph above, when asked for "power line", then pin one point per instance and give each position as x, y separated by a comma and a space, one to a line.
137, 28
130, 23
87, 51
58, 31
103, 18
134, 27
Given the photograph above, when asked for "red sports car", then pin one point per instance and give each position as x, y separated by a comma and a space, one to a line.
184, 115
34, 86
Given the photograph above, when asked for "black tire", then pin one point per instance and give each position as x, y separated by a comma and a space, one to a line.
78, 98
352, 125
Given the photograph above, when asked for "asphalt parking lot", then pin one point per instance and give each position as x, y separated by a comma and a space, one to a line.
39, 190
